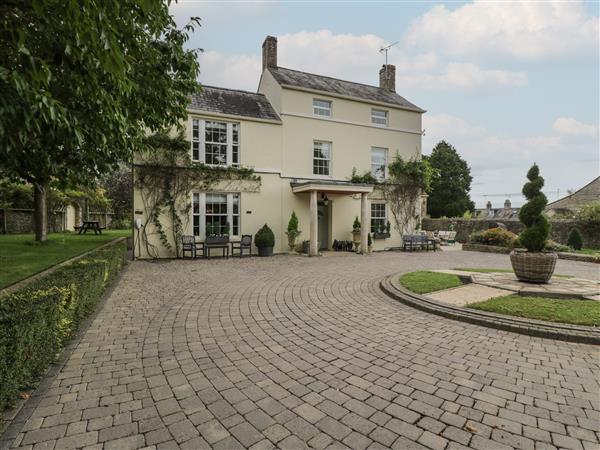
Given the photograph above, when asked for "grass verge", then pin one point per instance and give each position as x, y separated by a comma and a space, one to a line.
422, 282
574, 311
485, 270
21, 256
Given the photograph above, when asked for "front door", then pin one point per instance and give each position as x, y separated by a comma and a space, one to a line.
323, 228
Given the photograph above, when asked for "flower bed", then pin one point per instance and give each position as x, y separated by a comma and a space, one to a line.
37, 321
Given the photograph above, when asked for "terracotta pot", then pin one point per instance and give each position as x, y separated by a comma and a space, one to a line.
533, 267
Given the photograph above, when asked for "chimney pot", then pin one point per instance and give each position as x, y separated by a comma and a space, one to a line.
507, 204
488, 205
269, 52
387, 77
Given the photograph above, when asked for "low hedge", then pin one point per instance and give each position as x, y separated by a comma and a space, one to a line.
37, 321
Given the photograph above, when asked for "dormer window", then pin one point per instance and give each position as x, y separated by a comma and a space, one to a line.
379, 117
321, 108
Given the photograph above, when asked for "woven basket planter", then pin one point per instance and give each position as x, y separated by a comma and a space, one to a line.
533, 267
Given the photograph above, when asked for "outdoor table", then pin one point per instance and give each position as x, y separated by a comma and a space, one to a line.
90, 225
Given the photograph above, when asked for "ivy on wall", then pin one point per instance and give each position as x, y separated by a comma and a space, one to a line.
165, 176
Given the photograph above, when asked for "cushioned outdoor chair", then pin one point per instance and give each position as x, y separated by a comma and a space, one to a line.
244, 244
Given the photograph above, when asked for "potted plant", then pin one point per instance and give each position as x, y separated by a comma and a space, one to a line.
292, 231
533, 265
383, 232
265, 241
356, 232
370, 242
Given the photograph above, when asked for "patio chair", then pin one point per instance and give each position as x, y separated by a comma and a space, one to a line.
244, 243
188, 244
451, 237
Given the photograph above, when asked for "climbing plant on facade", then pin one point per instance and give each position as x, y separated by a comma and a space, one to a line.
406, 182
166, 176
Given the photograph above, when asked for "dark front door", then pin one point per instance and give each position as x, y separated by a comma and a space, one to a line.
323, 228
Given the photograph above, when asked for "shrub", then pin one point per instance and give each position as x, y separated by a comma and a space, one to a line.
575, 241
495, 236
589, 212
37, 321
553, 246
265, 237
537, 227
292, 230
356, 225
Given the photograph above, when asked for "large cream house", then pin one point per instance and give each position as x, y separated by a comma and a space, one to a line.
303, 134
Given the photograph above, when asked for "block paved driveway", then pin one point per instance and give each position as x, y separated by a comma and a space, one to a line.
293, 352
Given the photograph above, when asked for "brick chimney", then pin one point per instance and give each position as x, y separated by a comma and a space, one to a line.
269, 52
387, 77
507, 204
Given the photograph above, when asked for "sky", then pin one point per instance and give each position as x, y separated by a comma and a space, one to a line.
506, 83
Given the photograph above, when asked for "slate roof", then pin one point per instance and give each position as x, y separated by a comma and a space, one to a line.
233, 102
295, 78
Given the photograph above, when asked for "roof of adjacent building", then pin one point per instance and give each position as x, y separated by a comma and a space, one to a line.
305, 80
233, 102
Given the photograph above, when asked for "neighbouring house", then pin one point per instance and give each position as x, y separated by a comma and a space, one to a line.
303, 134
573, 202
489, 212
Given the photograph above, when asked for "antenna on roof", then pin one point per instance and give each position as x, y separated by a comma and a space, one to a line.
386, 49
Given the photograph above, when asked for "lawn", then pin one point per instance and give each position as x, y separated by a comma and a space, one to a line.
21, 256
588, 251
422, 282
575, 311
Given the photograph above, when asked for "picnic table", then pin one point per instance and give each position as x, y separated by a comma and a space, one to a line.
90, 225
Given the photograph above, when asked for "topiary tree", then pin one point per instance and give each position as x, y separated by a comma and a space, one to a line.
292, 230
356, 225
264, 237
575, 241
537, 227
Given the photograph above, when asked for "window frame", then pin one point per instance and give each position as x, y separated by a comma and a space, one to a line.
373, 218
385, 166
199, 143
198, 212
330, 109
328, 159
373, 117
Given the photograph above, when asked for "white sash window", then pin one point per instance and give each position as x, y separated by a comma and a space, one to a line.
216, 143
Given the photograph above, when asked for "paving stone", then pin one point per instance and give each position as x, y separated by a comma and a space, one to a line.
191, 351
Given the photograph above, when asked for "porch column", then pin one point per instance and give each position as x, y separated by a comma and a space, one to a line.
365, 223
314, 244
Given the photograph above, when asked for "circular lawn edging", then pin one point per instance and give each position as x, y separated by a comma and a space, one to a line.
539, 328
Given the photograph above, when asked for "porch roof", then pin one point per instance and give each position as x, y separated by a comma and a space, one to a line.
331, 187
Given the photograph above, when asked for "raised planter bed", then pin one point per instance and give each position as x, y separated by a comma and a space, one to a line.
504, 250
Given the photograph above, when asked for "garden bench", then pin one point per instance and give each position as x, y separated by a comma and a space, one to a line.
411, 242
212, 242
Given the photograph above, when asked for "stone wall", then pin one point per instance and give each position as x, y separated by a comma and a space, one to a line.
560, 228
21, 221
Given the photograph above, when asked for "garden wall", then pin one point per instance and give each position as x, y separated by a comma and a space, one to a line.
20, 221
590, 231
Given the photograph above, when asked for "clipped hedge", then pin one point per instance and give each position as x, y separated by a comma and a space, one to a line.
37, 321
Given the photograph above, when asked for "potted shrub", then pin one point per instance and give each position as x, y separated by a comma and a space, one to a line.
533, 265
356, 231
370, 242
292, 231
265, 241
383, 232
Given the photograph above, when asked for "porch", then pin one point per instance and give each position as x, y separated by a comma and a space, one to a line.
325, 189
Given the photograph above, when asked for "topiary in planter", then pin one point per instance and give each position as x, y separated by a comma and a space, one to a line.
575, 241
533, 265
292, 231
265, 241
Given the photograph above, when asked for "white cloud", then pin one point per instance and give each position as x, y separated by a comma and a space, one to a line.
522, 30
570, 126
355, 58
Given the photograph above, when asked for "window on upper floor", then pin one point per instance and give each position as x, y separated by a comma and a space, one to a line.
379, 117
378, 217
321, 108
379, 162
216, 143
321, 157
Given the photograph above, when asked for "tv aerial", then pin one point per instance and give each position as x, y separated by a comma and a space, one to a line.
386, 49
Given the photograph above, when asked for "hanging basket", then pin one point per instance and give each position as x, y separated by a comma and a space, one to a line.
533, 267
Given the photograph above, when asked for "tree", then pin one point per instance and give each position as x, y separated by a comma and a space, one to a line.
575, 241
450, 184
82, 82
118, 185
406, 182
537, 227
